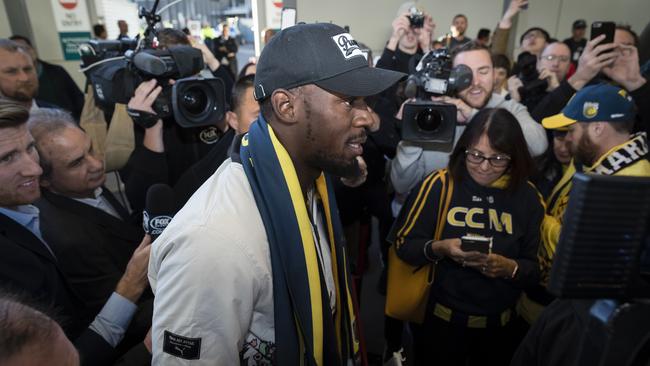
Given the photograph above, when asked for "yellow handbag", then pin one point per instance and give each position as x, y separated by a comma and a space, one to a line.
408, 286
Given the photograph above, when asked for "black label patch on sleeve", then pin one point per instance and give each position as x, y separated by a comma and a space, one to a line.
183, 347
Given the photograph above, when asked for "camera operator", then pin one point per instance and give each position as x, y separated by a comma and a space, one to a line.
412, 163
164, 150
539, 76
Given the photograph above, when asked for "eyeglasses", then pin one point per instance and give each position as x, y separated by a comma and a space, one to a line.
497, 161
554, 57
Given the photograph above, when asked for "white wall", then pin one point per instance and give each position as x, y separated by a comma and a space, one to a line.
5, 30
370, 20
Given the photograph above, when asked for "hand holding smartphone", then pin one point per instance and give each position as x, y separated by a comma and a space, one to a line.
471, 243
606, 28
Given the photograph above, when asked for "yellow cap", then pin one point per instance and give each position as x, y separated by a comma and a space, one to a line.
558, 121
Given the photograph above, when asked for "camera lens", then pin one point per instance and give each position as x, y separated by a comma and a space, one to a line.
428, 120
194, 100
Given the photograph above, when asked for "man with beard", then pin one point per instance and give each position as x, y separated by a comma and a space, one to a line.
412, 163
18, 78
458, 27
253, 270
599, 120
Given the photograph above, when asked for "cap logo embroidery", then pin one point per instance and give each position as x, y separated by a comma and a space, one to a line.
590, 109
348, 46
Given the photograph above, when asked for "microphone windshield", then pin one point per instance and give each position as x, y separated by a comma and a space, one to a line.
160, 207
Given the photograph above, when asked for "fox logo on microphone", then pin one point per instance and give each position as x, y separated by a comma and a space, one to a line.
155, 225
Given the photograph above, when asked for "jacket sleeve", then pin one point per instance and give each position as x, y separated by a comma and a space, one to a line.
641, 97
143, 169
94, 350
416, 223
534, 133
499, 44
204, 294
528, 272
553, 102
551, 228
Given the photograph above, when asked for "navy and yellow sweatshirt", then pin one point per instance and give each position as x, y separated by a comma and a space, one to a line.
511, 217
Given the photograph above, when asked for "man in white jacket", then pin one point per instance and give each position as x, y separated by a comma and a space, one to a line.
412, 163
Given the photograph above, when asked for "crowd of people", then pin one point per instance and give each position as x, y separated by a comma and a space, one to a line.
263, 260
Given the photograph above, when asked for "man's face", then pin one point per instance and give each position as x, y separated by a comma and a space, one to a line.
500, 77
334, 128
247, 111
555, 58
478, 94
581, 145
460, 23
579, 33
534, 42
19, 169
18, 79
76, 172
623, 37
124, 27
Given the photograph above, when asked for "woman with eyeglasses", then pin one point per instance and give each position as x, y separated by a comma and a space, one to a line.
475, 288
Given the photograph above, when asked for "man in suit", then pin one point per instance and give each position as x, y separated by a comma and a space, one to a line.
28, 265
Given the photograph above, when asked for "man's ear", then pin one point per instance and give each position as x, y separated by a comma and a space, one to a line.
284, 106
597, 128
231, 120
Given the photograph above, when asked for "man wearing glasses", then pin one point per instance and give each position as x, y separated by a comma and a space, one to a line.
552, 66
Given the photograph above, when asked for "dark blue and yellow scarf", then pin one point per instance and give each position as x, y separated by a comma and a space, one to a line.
306, 333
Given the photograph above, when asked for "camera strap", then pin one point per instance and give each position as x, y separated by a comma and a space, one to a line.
143, 118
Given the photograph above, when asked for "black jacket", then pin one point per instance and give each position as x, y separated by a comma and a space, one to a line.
57, 87
28, 268
512, 218
92, 247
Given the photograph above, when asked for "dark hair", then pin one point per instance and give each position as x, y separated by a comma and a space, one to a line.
483, 33
18, 37
12, 114
168, 37
543, 31
242, 72
623, 127
98, 29
239, 89
502, 61
469, 46
45, 122
505, 135
21, 326
628, 28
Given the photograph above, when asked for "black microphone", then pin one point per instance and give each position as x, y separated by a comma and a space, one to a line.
160, 207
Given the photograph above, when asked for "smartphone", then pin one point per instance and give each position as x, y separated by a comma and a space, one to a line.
606, 28
471, 243
288, 18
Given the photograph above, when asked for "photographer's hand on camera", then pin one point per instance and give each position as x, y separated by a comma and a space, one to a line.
463, 111
401, 29
425, 34
551, 79
626, 70
140, 108
593, 59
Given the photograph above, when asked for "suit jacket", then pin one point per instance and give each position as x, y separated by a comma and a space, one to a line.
28, 268
92, 247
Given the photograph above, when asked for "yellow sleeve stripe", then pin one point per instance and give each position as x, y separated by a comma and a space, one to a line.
418, 204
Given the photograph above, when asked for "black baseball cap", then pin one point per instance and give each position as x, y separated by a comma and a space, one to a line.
579, 24
323, 54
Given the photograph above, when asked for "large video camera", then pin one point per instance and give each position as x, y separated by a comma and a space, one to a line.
533, 87
427, 122
116, 68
